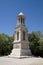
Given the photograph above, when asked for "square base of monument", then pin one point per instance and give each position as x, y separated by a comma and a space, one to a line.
20, 53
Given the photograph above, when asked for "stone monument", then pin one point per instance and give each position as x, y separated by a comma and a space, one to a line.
21, 43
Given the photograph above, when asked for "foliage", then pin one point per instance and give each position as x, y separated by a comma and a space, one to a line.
41, 47
36, 45
5, 44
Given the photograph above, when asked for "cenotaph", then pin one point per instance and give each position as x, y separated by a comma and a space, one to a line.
21, 43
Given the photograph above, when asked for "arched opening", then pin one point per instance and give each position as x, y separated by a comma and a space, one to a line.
17, 35
23, 35
21, 20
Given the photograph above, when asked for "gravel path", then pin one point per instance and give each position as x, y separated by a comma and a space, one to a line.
24, 61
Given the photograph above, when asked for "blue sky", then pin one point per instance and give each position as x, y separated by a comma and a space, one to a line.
32, 9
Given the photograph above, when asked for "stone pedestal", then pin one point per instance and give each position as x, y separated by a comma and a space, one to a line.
21, 50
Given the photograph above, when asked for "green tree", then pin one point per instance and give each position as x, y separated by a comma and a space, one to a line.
5, 44
34, 44
41, 47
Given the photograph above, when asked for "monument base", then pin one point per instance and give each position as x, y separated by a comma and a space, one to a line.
20, 53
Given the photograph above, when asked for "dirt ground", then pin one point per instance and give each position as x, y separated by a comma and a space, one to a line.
24, 61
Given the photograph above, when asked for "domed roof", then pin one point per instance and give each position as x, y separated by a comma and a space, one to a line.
21, 13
